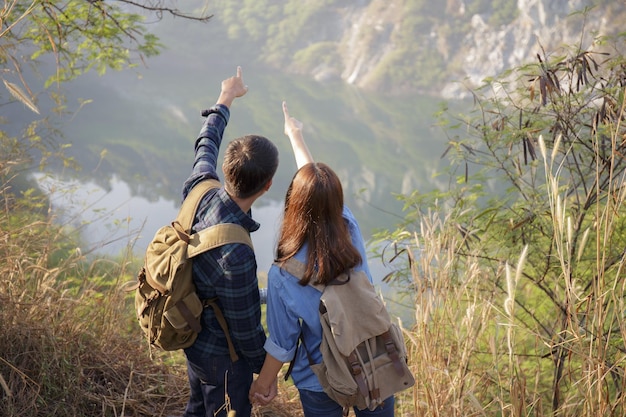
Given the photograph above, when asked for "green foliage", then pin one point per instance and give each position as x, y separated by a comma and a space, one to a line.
528, 239
305, 32
504, 11
314, 55
405, 46
84, 35
499, 12
77, 36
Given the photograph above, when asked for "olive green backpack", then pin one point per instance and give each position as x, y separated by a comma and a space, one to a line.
167, 305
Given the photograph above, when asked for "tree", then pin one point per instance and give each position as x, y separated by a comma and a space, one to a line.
81, 35
537, 180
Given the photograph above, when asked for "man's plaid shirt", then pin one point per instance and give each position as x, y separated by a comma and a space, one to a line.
229, 271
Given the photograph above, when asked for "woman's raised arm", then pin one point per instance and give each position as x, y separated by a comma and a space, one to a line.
293, 129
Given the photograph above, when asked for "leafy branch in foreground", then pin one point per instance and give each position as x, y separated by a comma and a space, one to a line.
80, 35
537, 180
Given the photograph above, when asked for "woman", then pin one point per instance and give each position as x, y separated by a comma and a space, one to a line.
319, 231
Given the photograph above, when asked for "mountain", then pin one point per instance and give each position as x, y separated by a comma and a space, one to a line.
410, 46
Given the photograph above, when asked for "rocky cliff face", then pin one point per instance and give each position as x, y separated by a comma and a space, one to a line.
373, 49
541, 26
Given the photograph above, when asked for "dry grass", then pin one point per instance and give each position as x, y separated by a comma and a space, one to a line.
539, 332
65, 349
69, 343
524, 334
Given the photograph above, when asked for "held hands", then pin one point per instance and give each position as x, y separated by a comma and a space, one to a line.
232, 88
260, 395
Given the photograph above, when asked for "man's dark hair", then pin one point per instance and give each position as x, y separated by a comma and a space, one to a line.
249, 163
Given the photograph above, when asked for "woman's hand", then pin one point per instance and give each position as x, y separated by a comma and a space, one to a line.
263, 395
292, 125
293, 129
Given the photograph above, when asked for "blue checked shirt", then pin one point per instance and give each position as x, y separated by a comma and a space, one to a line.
229, 271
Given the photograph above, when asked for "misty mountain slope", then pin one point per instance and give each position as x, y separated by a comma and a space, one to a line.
407, 46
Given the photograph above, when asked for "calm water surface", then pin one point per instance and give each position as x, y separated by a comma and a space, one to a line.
134, 140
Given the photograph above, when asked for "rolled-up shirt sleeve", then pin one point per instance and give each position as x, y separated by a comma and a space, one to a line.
283, 325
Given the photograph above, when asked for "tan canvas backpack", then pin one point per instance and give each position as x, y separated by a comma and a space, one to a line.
167, 305
364, 357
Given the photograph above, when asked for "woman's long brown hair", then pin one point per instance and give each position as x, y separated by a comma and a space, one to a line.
313, 215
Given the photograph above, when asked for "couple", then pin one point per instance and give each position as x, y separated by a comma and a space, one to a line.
317, 229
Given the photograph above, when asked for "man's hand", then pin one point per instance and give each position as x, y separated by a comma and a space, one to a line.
232, 88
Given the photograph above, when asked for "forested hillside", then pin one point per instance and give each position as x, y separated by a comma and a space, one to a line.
406, 46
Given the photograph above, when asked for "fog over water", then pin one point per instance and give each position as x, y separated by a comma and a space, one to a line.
134, 139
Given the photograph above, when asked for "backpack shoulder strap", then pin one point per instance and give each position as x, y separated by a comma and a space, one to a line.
210, 237
297, 268
217, 235
190, 203
293, 266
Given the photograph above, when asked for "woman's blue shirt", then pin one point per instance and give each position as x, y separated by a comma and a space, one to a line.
292, 308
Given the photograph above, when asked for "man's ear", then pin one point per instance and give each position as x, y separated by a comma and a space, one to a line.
268, 185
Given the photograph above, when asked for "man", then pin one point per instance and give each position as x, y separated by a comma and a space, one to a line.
228, 272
